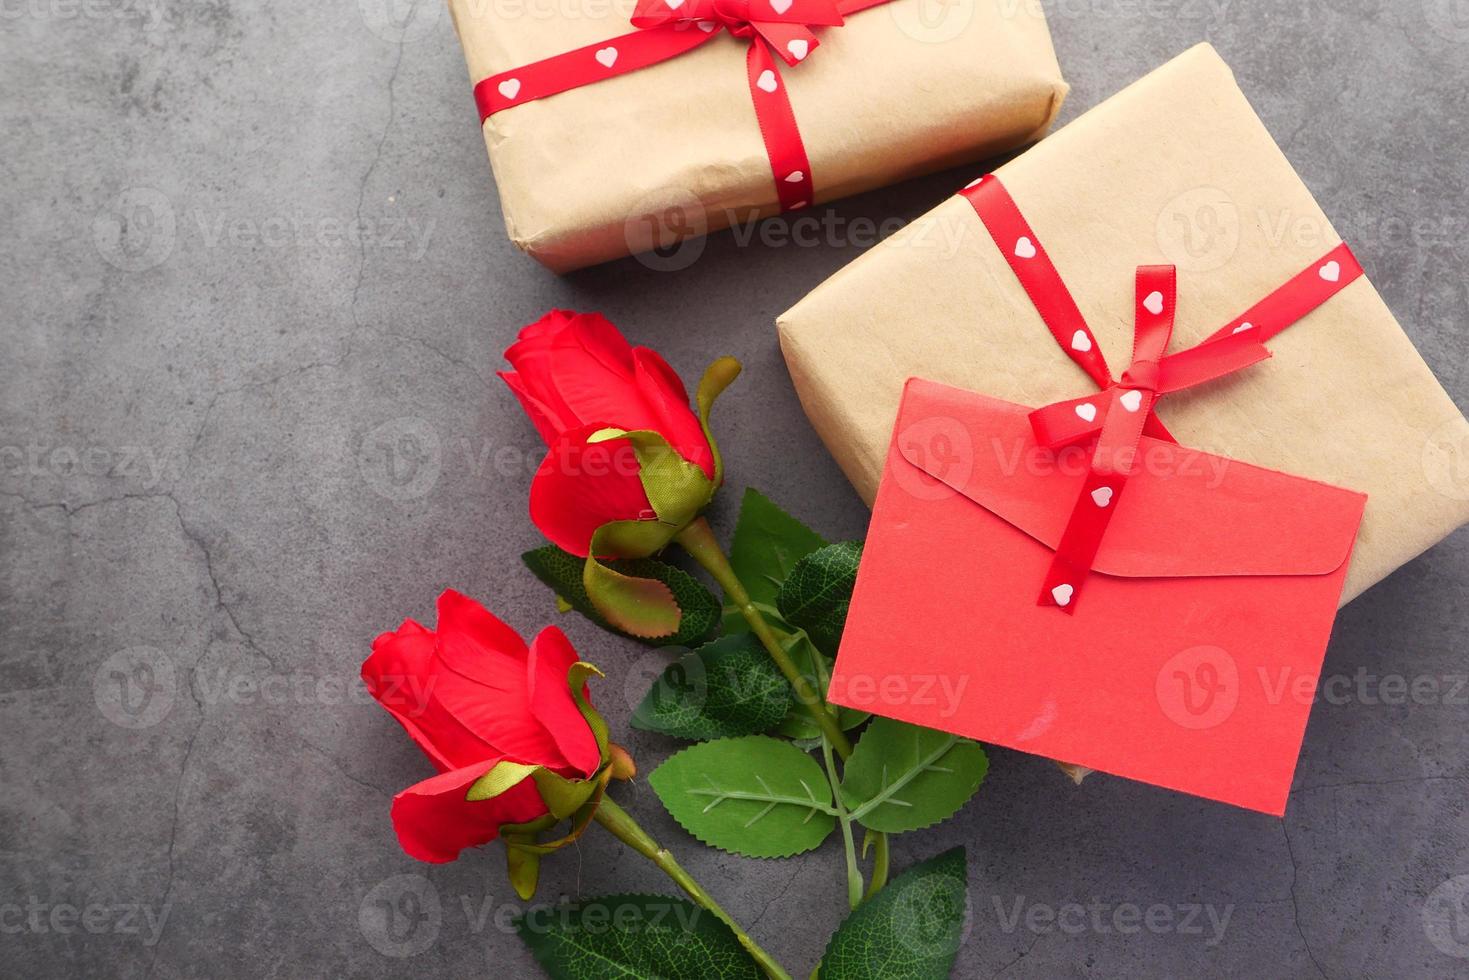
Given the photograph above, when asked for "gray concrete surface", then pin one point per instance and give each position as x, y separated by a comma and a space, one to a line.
195, 418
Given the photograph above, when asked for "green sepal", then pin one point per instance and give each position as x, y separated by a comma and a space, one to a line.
563, 797
642, 607
562, 571
717, 377
577, 677
524, 869
677, 488
504, 776
526, 836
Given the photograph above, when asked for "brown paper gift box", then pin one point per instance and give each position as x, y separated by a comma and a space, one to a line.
1175, 169
896, 92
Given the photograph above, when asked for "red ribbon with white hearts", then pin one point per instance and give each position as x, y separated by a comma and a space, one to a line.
1123, 412
669, 28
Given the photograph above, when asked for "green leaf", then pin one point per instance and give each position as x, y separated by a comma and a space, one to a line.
634, 936
767, 544
911, 930
902, 777
756, 796
562, 571
818, 591
725, 688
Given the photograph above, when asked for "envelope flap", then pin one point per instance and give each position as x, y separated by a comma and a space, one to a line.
1185, 512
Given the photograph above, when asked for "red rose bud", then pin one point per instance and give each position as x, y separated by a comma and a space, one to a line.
509, 727
625, 447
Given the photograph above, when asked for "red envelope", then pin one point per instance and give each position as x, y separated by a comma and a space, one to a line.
1190, 664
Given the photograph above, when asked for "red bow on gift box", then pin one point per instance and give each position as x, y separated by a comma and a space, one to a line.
1124, 411
668, 28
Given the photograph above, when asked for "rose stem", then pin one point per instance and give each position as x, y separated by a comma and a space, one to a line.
626, 829
698, 540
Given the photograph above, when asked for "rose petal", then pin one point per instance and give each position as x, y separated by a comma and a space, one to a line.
483, 688
548, 422
551, 656
531, 356
435, 822
676, 422
400, 674
581, 486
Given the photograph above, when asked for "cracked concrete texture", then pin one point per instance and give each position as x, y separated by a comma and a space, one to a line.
240, 438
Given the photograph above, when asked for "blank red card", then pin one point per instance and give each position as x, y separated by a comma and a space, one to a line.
1208, 611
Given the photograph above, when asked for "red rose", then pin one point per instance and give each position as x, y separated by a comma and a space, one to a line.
473, 695
577, 376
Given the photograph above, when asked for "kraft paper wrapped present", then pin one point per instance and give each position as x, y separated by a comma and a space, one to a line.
639, 160
1176, 169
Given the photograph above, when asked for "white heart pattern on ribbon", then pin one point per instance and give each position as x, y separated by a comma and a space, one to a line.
766, 81
673, 4
1025, 248
795, 177
509, 88
1243, 327
780, 6
1087, 411
798, 48
1062, 594
1331, 271
1154, 303
706, 25
607, 56
1080, 342
1102, 496
1131, 400
974, 183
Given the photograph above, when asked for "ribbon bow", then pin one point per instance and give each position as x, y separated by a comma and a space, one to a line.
1117, 416
668, 28
1122, 413
785, 25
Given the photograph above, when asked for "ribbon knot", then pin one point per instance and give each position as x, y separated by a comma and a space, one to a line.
1118, 416
1142, 375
